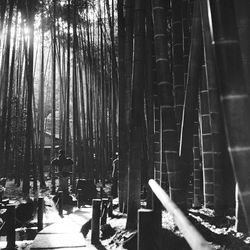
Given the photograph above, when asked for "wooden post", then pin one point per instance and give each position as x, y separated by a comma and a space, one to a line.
157, 225
104, 211
95, 222
1, 195
11, 223
145, 221
79, 197
53, 179
110, 206
60, 203
40, 214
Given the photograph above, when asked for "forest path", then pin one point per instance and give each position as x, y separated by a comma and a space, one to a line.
65, 233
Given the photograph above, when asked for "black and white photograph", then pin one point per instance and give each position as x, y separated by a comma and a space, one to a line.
124, 124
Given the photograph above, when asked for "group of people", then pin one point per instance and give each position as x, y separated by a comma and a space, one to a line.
64, 166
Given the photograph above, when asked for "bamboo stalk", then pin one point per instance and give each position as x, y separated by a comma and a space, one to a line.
215, 118
243, 24
206, 144
166, 101
177, 57
137, 116
198, 197
233, 95
41, 108
191, 95
125, 105
53, 97
192, 236
30, 86
150, 66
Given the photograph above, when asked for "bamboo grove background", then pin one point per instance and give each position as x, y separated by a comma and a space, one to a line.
164, 83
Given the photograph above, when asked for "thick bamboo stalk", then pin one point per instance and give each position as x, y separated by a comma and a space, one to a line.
137, 116
177, 58
10, 100
2, 15
67, 128
206, 144
53, 95
74, 98
191, 94
243, 24
166, 101
234, 100
125, 104
30, 83
186, 36
242, 9
150, 65
114, 79
215, 118
41, 107
4, 89
198, 197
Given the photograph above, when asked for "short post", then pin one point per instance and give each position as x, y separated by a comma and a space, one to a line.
157, 225
145, 239
40, 214
104, 211
1, 195
53, 180
60, 202
11, 223
79, 197
110, 206
95, 222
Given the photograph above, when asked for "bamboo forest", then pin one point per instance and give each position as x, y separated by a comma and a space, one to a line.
130, 114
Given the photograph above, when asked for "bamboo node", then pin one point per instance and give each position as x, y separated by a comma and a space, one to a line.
238, 149
234, 97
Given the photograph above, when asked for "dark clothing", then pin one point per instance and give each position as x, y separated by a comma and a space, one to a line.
115, 167
64, 165
64, 171
114, 188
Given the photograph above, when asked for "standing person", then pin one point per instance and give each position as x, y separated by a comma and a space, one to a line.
64, 170
115, 169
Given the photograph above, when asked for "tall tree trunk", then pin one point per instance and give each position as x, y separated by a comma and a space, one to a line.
150, 65
29, 123
9, 135
67, 128
41, 109
191, 93
168, 126
124, 108
53, 95
4, 90
206, 143
233, 95
177, 57
74, 96
137, 116
198, 197
186, 36
114, 80
243, 24
2, 15
215, 119
122, 129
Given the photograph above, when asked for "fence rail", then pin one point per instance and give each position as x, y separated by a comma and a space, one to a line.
190, 233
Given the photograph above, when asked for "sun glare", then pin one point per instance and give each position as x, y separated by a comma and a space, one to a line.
26, 31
